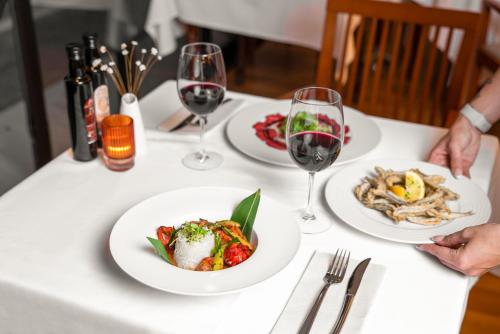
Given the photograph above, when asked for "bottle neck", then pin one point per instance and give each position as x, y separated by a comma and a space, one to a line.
90, 55
76, 69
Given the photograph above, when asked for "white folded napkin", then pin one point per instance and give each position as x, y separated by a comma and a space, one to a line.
221, 114
308, 288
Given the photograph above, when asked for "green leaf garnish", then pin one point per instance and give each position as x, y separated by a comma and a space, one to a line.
160, 250
245, 213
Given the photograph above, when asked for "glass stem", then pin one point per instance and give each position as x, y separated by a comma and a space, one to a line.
202, 153
309, 207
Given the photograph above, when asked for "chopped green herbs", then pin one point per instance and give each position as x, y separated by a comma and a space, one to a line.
305, 121
192, 232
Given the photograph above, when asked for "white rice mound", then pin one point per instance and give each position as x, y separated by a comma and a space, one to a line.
188, 254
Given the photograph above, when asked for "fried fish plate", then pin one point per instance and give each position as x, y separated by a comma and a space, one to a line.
431, 209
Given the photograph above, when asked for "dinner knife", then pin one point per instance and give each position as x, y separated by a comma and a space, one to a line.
177, 120
352, 288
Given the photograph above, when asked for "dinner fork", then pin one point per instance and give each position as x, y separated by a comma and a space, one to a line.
334, 275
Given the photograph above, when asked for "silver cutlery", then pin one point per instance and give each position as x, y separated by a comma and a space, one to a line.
177, 120
334, 275
352, 288
183, 117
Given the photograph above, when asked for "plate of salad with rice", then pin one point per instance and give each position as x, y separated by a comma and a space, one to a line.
205, 241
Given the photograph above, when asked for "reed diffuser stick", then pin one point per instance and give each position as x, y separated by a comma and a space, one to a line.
147, 70
132, 55
110, 71
137, 65
125, 55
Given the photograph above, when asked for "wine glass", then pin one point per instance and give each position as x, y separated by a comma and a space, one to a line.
201, 84
314, 137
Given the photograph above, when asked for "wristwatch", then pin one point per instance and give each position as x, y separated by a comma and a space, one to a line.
475, 118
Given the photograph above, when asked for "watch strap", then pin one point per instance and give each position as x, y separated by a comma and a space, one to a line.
475, 118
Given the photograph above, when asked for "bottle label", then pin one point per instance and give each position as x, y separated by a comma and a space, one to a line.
89, 114
101, 103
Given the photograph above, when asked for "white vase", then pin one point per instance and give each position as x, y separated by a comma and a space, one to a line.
130, 107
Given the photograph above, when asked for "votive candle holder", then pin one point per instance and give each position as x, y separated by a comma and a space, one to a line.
118, 142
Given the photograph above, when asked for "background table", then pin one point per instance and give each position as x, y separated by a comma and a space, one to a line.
296, 22
57, 274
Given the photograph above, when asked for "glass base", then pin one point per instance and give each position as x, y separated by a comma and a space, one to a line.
118, 165
196, 161
309, 224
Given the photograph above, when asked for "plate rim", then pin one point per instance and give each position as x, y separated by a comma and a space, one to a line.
114, 255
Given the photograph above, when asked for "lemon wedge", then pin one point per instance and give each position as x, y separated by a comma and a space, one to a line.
414, 187
398, 191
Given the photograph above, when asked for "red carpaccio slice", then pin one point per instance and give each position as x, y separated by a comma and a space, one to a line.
269, 130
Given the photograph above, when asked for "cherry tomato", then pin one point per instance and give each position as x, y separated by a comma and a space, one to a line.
164, 234
236, 253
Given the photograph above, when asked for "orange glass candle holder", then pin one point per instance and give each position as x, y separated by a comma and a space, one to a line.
118, 142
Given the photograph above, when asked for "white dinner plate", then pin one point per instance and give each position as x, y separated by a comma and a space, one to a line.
278, 239
340, 197
364, 132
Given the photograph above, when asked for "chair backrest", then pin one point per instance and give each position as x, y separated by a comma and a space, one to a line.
489, 55
401, 67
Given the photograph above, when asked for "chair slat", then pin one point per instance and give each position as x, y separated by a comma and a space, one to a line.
355, 64
424, 117
324, 70
437, 117
404, 68
379, 65
344, 51
394, 61
424, 33
367, 64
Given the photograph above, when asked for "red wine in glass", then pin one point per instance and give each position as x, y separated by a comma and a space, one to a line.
314, 151
313, 142
201, 84
202, 98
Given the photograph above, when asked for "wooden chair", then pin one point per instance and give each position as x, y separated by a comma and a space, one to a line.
418, 83
489, 55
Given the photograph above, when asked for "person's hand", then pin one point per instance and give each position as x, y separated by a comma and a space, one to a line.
472, 251
458, 149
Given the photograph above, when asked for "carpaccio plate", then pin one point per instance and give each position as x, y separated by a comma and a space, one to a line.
272, 130
255, 131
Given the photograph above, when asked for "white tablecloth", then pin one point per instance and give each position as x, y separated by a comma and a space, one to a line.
57, 274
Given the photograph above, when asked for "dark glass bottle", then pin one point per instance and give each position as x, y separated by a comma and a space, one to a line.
80, 106
101, 92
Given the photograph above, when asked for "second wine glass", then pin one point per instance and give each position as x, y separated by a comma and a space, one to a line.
201, 84
314, 136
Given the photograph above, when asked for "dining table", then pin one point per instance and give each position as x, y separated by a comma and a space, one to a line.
57, 274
